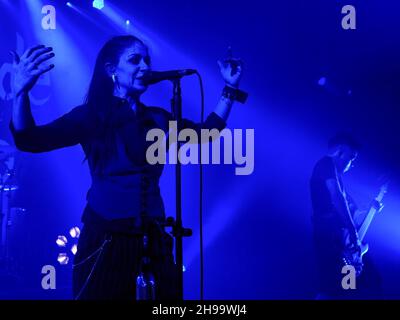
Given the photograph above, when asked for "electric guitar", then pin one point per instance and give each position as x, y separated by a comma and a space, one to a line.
353, 254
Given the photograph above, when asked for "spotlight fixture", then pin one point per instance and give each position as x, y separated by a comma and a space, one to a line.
74, 249
62, 258
61, 241
98, 4
75, 232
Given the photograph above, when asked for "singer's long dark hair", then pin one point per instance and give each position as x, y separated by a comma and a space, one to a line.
99, 98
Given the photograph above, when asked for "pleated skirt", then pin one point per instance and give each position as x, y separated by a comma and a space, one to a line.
107, 264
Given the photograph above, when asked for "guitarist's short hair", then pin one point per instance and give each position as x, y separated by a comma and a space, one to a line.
344, 138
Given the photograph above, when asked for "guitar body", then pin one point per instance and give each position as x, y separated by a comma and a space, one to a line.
352, 253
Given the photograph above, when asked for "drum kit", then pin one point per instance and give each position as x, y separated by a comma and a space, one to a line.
8, 186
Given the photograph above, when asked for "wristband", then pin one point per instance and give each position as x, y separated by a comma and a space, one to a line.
234, 94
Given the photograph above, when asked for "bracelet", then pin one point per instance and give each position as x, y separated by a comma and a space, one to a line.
234, 94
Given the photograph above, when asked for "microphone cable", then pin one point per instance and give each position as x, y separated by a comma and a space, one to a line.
201, 193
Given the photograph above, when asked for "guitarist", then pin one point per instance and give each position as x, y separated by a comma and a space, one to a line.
369, 282
332, 214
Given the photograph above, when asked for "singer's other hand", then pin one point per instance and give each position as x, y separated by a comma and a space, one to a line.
231, 69
29, 67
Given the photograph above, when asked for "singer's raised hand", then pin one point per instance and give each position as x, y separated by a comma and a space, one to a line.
231, 69
29, 67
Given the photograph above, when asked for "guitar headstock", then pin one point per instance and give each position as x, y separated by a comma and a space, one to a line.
382, 191
384, 188
384, 181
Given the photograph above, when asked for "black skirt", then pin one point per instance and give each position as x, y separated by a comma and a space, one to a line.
109, 259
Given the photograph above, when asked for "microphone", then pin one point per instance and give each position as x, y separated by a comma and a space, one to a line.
153, 77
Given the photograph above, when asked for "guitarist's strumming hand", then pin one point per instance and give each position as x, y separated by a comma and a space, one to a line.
355, 240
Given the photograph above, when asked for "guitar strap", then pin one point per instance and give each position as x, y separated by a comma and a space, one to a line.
343, 191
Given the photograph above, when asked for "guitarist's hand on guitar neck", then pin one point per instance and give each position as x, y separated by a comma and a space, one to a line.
378, 206
357, 244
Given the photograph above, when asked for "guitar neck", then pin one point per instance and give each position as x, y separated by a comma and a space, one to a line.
370, 216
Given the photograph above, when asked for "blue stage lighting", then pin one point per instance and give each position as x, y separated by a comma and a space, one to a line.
75, 232
74, 249
98, 4
128, 22
69, 4
322, 81
63, 258
61, 241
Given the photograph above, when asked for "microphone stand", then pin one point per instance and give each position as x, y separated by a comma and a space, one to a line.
178, 231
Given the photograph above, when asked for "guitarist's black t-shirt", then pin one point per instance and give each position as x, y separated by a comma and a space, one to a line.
323, 207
